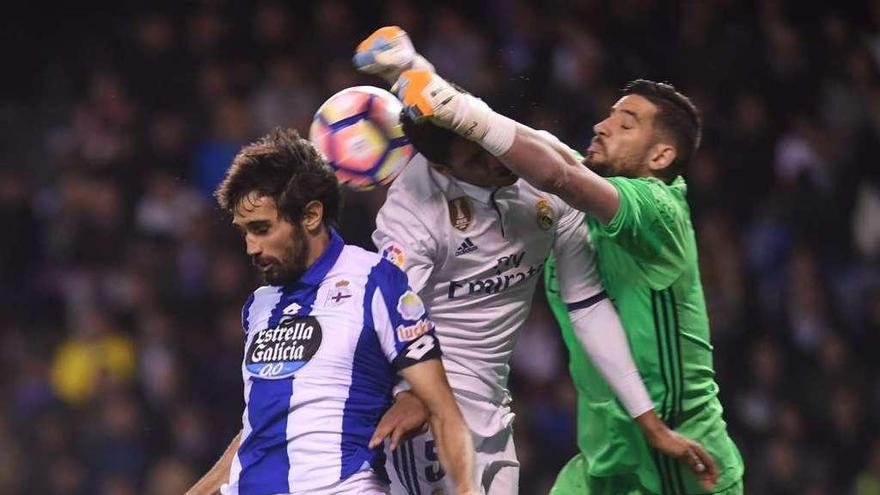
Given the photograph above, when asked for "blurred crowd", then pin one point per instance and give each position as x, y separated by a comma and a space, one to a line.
122, 283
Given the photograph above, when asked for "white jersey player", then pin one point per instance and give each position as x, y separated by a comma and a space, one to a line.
325, 339
475, 265
473, 240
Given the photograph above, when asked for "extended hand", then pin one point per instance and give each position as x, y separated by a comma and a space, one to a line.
387, 53
406, 417
688, 451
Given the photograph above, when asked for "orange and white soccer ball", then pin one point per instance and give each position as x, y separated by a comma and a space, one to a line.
359, 133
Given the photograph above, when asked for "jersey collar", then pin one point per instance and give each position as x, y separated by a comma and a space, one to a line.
454, 188
316, 273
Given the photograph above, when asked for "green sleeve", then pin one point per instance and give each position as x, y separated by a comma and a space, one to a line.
650, 225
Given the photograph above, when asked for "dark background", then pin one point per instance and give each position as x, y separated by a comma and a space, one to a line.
122, 284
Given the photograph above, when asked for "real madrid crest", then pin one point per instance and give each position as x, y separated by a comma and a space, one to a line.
460, 213
546, 216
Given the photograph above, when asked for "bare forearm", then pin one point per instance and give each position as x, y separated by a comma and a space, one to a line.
211, 482
454, 443
455, 449
554, 168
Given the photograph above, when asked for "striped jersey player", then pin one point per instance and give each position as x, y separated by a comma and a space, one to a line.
320, 360
325, 339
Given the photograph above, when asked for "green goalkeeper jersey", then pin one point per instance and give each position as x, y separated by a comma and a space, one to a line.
647, 258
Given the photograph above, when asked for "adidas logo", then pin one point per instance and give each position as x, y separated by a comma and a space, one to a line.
467, 246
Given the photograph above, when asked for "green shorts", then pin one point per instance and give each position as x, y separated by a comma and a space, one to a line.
574, 480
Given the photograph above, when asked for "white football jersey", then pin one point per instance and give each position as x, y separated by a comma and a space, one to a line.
474, 255
321, 357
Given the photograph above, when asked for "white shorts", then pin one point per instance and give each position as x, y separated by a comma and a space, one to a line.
414, 468
361, 483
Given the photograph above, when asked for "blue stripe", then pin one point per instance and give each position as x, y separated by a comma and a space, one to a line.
412, 466
586, 303
401, 472
392, 283
347, 121
246, 312
263, 454
369, 396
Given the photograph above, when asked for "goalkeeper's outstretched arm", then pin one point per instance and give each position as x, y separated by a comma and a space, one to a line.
551, 166
537, 157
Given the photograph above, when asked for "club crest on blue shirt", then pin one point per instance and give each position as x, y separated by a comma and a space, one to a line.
340, 293
410, 306
278, 352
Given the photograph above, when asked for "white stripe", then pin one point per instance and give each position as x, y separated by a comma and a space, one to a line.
316, 408
265, 299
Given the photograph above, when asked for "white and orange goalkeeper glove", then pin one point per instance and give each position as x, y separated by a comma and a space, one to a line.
388, 52
425, 95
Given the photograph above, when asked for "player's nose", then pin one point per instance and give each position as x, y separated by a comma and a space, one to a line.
253, 247
601, 128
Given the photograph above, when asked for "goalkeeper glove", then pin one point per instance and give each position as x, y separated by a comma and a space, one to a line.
426, 95
388, 52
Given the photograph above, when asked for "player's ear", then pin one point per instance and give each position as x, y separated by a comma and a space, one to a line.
661, 156
313, 216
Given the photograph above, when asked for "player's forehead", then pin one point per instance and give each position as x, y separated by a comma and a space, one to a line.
254, 207
636, 106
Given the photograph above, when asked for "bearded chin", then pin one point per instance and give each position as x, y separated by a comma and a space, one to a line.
293, 263
601, 168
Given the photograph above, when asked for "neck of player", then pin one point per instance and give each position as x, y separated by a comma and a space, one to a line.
318, 243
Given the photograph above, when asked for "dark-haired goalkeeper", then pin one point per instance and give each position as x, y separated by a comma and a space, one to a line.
640, 225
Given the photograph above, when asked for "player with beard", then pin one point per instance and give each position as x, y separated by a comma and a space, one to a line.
325, 339
639, 223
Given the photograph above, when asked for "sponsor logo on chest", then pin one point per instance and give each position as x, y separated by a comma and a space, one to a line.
509, 271
278, 352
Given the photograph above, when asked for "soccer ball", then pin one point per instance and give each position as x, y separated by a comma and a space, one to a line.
359, 133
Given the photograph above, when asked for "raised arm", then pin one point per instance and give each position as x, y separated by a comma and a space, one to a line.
536, 156
548, 164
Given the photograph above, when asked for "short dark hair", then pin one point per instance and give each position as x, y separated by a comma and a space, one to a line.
285, 167
430, 140
676, 115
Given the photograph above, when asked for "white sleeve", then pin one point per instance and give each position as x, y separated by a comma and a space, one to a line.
403, 239
575, 259
601, 335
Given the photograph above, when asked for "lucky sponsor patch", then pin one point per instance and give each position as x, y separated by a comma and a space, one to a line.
410, 332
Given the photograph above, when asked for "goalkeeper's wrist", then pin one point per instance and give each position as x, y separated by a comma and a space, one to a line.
474, 120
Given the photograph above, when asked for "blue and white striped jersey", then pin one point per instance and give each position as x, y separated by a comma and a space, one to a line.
321, 357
